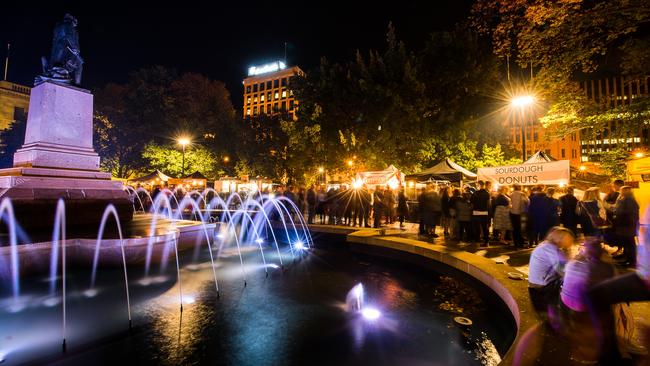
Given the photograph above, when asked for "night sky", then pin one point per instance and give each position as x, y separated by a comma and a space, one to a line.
218, 39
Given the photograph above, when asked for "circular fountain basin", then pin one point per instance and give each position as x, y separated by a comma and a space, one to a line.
264, 315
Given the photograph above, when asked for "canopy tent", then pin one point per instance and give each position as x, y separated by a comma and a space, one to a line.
391, 176
539, 157
444, 170
155, 176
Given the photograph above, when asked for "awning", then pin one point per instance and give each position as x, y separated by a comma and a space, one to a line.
444, 170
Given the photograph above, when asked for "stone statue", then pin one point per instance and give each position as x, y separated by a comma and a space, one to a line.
65, 63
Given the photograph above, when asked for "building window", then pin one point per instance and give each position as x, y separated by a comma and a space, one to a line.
268, 84
248, 100
563, 153
284, 106
268, 96
254, 88
255, 99
255, 110
268, 108
248, 111
261, 97
276, 83
284, 81
261, 86
284, 94
277, 95
275, 107
248, 89
291, 104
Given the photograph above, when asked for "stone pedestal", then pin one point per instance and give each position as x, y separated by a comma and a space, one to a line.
58, 161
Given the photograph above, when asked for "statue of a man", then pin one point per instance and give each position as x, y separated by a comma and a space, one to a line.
65, 62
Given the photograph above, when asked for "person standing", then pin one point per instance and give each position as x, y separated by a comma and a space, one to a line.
480, 213
568, 217
626, 223
502, 222
445, 213
591, 213
433, 210
366, 206
421, 213
538, 215
464, 217
377, 207
402, 207
389, 205
311, 204
519, 206
609, 234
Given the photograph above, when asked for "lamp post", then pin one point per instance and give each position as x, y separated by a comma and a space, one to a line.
522, 102
183, 141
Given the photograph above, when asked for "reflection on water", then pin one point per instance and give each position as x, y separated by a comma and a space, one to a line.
296, 317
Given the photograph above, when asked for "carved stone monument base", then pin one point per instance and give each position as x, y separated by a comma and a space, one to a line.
58, 161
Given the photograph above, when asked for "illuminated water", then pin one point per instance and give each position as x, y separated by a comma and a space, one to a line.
296, 317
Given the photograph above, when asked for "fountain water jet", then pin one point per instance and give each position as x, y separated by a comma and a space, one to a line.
110, 210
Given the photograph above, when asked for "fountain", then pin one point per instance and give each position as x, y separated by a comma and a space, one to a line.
262, 316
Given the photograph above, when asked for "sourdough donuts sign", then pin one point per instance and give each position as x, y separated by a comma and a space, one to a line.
548, 173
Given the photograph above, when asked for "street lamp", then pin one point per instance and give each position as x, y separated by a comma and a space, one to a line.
183, 141
522, 102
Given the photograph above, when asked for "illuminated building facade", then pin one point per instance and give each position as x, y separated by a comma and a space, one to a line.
612, 93
267, 90
14, 103
539, 138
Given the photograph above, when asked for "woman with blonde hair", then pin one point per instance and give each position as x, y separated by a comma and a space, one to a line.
591, 213
546, 268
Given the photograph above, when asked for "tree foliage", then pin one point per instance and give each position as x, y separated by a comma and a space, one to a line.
570, 40
400, 107
169, 159
158, 105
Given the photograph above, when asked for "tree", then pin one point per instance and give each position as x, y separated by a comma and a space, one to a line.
398, 107
168, 159
569, 40
157, 105
12, 139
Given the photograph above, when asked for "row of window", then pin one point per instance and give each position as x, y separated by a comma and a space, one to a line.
265, 85
574, 153
269, 96
628, 140
276, 107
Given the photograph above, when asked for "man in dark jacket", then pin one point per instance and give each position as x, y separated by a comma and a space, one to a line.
311, 204
377, 207
568, 217
480, 213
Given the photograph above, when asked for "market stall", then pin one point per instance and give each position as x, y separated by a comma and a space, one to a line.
390, 176
155, 178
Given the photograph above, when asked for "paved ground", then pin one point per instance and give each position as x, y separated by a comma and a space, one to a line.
505, 254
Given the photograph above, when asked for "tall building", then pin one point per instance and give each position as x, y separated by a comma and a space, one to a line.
539, 138
611, 93
267, 90
14, 103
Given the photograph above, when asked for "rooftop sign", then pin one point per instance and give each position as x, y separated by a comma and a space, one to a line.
272, 67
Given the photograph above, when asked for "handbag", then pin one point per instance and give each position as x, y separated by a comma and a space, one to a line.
598, 219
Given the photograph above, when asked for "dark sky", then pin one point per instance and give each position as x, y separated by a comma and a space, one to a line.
218, 38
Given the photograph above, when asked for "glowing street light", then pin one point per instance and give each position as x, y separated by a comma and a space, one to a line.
183, 141
583, 168
226, 159
350, 163
321, 169
639, 154
521, 102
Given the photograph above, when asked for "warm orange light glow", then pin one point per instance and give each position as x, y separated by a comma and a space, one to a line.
184, 141
226, 159
639, 154
522, 101
321, 169
350, 162
583, 168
